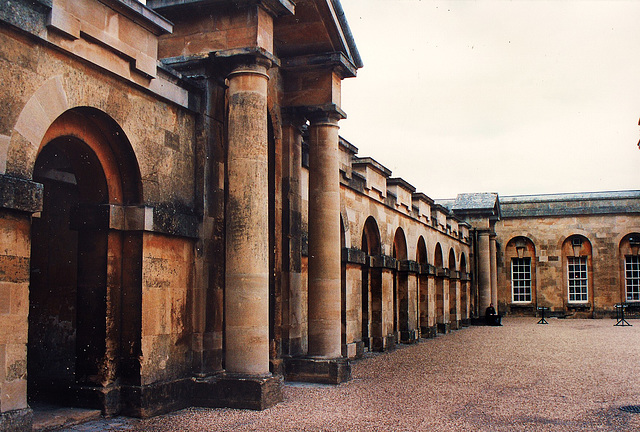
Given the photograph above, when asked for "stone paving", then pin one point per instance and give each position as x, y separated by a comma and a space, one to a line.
569, 375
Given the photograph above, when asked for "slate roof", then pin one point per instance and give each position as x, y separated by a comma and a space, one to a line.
476, 201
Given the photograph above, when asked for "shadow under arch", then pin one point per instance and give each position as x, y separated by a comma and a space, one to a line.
465, 306
438, 262
371, 286
401, 305
85, 293
423, 288
454, 290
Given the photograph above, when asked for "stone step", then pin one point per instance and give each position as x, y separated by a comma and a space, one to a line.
51, 417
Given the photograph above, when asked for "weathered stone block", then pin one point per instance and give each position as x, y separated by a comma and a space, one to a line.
333, 371
21, 195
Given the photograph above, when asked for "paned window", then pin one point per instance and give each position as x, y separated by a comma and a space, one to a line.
578, 280
632, 277
521, 280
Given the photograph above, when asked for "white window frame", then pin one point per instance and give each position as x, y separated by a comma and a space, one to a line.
583, 282
526, 261
632, 278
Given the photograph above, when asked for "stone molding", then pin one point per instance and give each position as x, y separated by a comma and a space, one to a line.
383, 261
408, 266
134, 218
20, 195
334, 60
443, 272
353, 256
427, 269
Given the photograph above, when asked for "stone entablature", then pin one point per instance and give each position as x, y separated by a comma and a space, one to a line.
570, 204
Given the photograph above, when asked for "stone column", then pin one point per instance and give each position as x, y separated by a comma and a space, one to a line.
494, 270
484, 272
293, 307
247, 236
324, 236
324, 362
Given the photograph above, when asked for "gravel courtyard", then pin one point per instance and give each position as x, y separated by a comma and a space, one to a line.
570, 375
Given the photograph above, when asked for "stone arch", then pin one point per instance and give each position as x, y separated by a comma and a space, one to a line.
343, 289
400, 286
423, 287
453, 304
452, 260
520, 263
421, 252
465, 306
629, 258
47, 103
84, 263
577, 275
438, 262
372, 324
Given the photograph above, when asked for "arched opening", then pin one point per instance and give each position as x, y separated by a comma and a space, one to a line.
438, 263
81, 269
343, 291
400, 289
630, 269
464, 290
520, 260
371, 285
454, 289
423, 287
578, 276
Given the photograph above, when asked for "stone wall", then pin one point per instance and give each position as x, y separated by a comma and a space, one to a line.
549, 223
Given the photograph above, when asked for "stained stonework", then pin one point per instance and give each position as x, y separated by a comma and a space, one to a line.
182, 224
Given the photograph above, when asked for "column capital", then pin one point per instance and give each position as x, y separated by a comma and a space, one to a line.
319, 114
249, 59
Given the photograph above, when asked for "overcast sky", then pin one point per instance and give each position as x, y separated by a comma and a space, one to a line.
520, 97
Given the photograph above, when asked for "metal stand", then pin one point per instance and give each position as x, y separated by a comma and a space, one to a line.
620, 307
542, 320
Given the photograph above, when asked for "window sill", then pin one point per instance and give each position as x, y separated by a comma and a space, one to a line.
579, 306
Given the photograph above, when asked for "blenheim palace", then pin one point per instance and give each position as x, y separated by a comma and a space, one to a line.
181, 223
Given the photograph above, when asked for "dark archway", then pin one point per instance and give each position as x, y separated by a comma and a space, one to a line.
400, 289
438, 263
343, 291
371, 285
464, 290
82, 269
423, 287
454, 310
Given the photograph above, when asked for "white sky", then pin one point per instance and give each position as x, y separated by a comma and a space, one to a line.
519, 97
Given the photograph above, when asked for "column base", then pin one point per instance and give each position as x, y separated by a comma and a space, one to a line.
322, 371
409, 336
381, 344
237, 391
16, 420
455, 325
444, 328
157, 398
429, 332
353, 350
466, 322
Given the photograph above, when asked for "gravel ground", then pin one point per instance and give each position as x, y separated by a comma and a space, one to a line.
570, 375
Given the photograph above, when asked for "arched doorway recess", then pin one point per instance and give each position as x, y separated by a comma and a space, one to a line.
85, 297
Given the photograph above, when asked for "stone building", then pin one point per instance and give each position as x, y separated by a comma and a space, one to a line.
181, 223
576, 254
